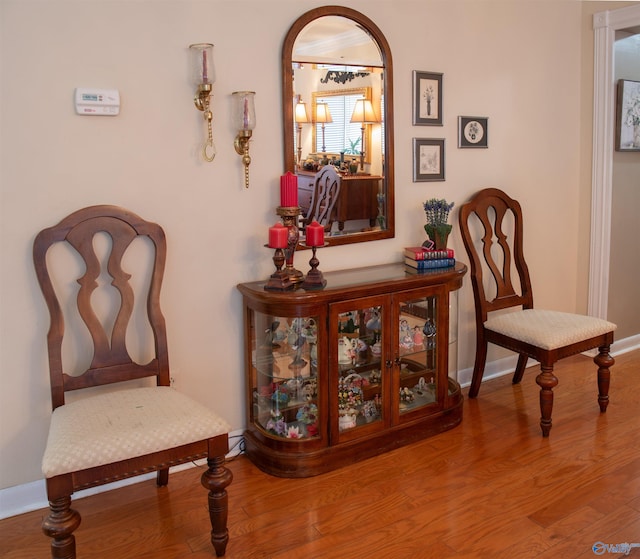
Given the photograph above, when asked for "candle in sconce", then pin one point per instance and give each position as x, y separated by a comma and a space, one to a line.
245, 118
205, 73
314, 234
278, 236
289, 190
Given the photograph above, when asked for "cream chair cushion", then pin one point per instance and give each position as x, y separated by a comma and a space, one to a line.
114, 426
548, 329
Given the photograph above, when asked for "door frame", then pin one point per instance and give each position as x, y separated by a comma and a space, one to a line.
605, 25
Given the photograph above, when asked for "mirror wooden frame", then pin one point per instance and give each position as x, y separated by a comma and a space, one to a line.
287, 108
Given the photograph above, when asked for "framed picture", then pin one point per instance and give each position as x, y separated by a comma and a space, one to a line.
428, 160
628, 116
473, 132
427, 98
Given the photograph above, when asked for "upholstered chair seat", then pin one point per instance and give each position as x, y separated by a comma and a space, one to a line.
548, 329
123, 424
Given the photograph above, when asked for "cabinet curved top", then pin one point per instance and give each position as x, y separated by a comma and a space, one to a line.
359, 282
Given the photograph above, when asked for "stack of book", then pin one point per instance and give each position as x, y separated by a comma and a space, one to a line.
421, 258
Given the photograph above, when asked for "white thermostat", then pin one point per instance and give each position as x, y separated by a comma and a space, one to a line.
97, 102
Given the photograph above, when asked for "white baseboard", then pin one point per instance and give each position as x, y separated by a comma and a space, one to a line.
33, 496
493, 369
624, 346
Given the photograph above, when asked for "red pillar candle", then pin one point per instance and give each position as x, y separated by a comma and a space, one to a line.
289, 190
278, 236
315, 234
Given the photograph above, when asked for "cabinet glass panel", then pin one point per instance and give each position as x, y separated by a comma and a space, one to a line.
418, 347
360, 381
284, 376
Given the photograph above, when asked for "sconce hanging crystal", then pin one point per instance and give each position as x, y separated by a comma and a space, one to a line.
204, 76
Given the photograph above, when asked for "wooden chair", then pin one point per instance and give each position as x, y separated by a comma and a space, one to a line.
99, 436
326, 191
543, 335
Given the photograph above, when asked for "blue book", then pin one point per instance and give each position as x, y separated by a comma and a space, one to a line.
429, 264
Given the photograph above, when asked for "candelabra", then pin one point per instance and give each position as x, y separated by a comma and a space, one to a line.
314, 239
289, 216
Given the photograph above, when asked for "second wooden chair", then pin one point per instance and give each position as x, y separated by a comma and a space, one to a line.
500, 280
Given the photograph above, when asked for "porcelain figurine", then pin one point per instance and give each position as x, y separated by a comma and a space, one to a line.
373, 323
429, 330
406, 336
347, 350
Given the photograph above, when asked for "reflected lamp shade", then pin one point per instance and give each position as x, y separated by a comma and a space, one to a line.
323, 115
363, 112
301, 113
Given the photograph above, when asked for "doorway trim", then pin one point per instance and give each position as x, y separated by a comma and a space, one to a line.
605, 25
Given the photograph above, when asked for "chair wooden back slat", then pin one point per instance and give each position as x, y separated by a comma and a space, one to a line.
111, 361
326, 191
502, 252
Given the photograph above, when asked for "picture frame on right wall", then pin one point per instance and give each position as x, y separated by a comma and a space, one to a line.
628, 116
473, 132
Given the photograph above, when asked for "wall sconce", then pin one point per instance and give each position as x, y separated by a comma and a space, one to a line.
323, 115
301, 117
244, 119
364, 114
204, 75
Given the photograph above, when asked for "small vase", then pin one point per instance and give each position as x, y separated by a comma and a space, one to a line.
439, 234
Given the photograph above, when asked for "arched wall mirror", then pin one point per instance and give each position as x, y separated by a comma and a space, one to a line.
337, 100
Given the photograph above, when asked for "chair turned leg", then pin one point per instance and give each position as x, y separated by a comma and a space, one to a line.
478, 367
216, 479
546, 381
604, 361
59, 525
162, 477
520, 367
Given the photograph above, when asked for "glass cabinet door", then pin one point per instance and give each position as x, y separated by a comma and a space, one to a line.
284, 371
419, 361
360, 383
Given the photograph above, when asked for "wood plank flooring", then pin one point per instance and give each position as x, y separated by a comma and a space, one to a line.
491, 487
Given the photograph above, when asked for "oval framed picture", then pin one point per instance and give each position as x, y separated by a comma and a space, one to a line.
473, 132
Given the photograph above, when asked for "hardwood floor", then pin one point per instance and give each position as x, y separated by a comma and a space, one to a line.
491, 487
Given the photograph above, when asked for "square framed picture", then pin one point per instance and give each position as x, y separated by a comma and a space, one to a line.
628, 116
428, 159
473, 132
427, 98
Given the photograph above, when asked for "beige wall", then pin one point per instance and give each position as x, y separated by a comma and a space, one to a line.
521, 63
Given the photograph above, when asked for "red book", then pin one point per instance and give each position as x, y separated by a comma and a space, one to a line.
422, 253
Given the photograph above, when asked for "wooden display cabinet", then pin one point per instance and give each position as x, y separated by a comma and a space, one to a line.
350, 371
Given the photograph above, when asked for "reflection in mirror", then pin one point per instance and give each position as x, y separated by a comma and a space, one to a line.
337, 104
340, 134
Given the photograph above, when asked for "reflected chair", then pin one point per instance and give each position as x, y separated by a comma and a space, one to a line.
492, 230
326, 190
104, 434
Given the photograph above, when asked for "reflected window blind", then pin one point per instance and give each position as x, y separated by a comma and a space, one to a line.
341, 134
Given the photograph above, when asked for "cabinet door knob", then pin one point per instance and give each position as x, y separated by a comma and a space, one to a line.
388, 363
